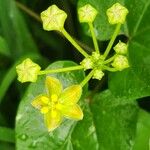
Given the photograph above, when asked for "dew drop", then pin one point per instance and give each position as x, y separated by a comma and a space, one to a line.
103, 112
33, 144
23, 137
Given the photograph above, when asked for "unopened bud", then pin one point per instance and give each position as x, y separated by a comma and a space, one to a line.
117, 14
87, 13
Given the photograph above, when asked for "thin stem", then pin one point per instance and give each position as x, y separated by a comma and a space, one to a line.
88, 77
110, 69
94, 38
61, 70
117, 30
110, 59
74, 43
28, 11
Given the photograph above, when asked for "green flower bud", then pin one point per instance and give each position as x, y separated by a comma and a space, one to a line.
53, 18
87, 13
120, 62
98, 74
95, 56
87, 63
121, 48
117, 14
28, 71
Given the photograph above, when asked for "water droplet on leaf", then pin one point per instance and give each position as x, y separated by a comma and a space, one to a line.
23, 137
33, 144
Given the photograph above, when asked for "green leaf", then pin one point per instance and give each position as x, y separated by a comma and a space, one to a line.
6, 146
14, 30
115, 121
30, 129
142, 140
84, 136
135, 81
7, 80
109, 124
4, 50
7, 135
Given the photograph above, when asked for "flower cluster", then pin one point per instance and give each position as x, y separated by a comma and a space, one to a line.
59, 103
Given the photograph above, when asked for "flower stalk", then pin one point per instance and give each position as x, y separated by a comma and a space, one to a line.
59, 70
94, 37
116, 32
87, 78
74, 43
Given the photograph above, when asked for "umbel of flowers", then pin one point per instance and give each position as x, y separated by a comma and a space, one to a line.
59, 102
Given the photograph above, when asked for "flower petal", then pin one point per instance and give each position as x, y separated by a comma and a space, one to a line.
53, 86
71, 95
52, 120
72, 112
40, 101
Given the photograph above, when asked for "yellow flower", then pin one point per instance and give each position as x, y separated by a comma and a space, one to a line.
27, 71
53, 18
58, 103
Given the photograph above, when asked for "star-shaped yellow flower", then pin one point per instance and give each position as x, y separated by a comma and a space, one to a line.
58, 103
53, 18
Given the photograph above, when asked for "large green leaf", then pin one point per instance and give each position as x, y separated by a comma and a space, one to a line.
84, 136
135, 81
142, 140
30, 129
109, 125
115, 120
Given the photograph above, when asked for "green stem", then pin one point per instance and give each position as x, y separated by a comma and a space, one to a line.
28, 11
110, 69
94, 38
116, 32
110, 59
61, 70
7, 135
74, 43
88, 77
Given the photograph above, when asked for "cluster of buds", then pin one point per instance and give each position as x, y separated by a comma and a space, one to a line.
59, 103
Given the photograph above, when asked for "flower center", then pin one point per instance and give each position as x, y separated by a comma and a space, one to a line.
52, 104
54, 98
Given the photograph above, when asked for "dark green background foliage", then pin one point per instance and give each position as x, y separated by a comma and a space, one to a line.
116, 109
